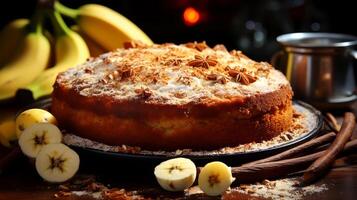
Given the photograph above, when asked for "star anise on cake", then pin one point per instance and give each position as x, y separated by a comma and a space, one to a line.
242, 76
198, 46
200, 61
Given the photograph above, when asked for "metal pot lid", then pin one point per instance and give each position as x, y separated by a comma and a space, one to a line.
317, 40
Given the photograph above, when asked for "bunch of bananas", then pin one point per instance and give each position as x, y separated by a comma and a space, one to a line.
26, 48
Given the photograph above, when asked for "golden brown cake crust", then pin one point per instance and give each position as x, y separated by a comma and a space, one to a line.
173, 133
176, 94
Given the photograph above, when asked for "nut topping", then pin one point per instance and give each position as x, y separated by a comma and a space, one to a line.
174, 62
184, 80
217, 78
219, 47
115, 73
103, 80
126, 73
134, 44
179, 95
212, 77
110, 76
143, 93
222, 80
88, 70
199, 61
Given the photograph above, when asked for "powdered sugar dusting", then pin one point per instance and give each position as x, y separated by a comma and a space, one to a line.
164, 69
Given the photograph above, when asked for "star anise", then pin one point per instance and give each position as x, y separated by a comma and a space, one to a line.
242, 76
199, 46
200, 61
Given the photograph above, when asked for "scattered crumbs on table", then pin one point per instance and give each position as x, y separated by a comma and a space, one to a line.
279, 189
87, 186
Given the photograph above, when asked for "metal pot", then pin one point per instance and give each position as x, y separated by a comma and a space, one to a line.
319, 66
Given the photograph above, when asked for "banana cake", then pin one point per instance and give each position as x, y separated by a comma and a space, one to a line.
167, 96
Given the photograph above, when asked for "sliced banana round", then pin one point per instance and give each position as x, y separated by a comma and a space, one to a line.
215, 178
176, 174
57, 163
38, 135
32, 116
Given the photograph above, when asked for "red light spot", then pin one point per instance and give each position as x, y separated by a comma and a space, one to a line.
191, 16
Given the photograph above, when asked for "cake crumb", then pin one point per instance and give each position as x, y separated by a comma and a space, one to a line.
279, 189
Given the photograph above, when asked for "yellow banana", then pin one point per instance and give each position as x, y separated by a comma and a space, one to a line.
94, 48
104, 25
27, 62
51, 39
10, 35
7, 132
70, 50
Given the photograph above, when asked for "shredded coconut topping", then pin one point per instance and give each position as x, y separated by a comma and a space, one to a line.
173, 74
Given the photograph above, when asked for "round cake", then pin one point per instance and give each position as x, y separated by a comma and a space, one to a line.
167, 97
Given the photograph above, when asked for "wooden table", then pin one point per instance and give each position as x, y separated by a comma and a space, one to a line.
22, 182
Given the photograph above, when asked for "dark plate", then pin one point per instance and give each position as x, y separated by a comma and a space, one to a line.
94, 155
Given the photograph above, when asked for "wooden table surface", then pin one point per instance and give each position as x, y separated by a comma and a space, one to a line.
21, 181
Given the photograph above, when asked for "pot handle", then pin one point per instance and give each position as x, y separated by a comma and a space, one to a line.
276, 58
354, 54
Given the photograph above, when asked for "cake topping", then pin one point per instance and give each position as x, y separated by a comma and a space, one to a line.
199, 46
143, 93
173, 74
134, 44
199, 61
241, 76
212, 77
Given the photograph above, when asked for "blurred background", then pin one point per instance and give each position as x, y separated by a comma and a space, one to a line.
247, 25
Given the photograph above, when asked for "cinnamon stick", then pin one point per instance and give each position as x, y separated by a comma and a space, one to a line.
316, 142
333, 121
276, 169
320, 166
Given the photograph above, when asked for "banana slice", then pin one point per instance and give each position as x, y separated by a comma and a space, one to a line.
215, 178
7, 132
176, 174
31, 116
57, 163
38, 135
